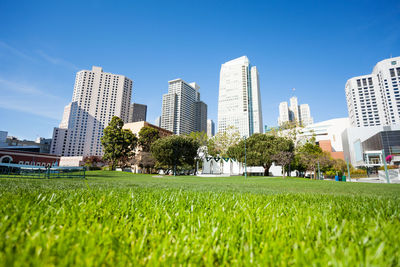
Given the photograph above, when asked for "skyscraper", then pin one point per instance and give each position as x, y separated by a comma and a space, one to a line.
97, 97
157, 121
239, 102
137, 112
210, 128
374, 99
300, 115
284, 114
294, 110
182, 110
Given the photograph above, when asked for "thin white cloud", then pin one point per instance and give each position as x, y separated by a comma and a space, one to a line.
12, 86
15, 51
57, 61
27, 98
36, 109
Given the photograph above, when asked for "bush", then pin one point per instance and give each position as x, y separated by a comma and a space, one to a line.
390, 167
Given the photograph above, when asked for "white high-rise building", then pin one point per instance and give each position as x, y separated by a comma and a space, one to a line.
305, 115
210, 128
374, 99
284, 114
300, 115
98, 96
294, 110
239, 102
157, 121
182, 110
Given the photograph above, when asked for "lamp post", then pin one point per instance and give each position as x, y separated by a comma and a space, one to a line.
348, 169
245, 158
385, 166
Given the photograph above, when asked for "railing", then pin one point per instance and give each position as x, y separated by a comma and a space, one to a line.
11, 170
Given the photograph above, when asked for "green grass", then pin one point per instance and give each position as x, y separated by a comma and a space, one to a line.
125, 219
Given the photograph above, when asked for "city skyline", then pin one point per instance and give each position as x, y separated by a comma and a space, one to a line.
40, 54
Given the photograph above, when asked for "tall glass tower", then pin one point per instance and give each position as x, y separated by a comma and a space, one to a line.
239, 102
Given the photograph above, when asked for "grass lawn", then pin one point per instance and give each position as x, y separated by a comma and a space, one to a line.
115, 218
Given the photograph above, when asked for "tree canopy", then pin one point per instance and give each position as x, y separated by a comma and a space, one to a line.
147, 136
119, 144
175, 151
260, 150
222, 141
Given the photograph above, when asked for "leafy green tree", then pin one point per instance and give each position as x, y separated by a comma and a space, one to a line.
260, 150
200, 137
309, 155
297, 164
174, 151
147, 136
119, 144
220, 143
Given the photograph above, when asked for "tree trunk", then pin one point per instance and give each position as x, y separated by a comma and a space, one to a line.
283, 170
266, 169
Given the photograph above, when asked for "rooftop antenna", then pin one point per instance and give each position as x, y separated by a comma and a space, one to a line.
293, 89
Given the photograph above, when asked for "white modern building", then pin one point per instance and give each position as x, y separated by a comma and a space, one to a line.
300, 115
98, 96
239, 102
182, 110
374, 99
210, 128
330, 130
353, 139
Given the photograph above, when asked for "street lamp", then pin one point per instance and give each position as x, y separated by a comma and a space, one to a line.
245, 158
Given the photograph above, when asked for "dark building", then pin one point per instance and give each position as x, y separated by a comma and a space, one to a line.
41, 145
201, 117
137, 112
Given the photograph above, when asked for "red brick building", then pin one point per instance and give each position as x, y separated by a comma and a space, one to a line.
28, 158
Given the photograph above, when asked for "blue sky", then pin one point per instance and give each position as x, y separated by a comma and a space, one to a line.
314, 46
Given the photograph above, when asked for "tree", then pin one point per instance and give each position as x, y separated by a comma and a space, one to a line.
200, 137
283, 158
119, 144
219, 144
260, 150
147, 136
309, 155
174, 151
93, 162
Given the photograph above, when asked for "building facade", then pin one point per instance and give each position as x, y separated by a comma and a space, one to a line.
300, 115
374, 99
157, 121
239, 101
182, 110
210, 128
353, 139
28, 158
137, 112
98, 96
